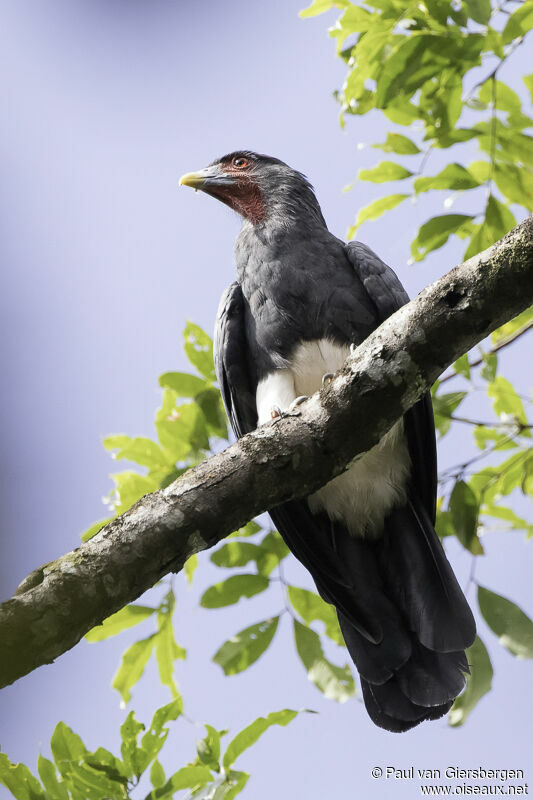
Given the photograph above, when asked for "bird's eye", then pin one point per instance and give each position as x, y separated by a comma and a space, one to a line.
240, 162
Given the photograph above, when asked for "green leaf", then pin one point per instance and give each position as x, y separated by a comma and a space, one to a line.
18, 779
506, 99
443, 407
396, 143
156, 735
480, 240
94, 529
184, 384
480, 170
129, 487
132, 666
498, 219
111, 766
231, 786
249, 736
401, 111
66, 747
375, 210
516, 183
273, 551
436, 232
243, 649
478, 683
141, 450
513, 628
456, 136
208, 748
464, 509
266, 555
336, 683
386, 171
520, 323
199, 350
126, 618
167, 649
180, 428
311, 607
506, 402
444, 525
528, 80
135, 760
48, 775
462, 366
509, 516
490, 364
193, 777
157, 775
211, 404
491, 483
190, 566
230, 591
420, 57
494, 437
479, 10
319, 6
236, 554
93, 784
453, 176
250, 529
519, 23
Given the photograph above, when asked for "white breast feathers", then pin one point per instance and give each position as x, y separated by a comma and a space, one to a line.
374, 483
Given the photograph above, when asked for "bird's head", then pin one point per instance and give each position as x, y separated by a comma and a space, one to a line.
258, 187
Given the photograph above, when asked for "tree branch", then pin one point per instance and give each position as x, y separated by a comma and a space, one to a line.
290, 457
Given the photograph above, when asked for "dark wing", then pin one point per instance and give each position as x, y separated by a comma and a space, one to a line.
388, 295
232, 363
308, 536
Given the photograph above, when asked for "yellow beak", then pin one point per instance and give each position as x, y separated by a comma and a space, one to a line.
193, 179
212, 176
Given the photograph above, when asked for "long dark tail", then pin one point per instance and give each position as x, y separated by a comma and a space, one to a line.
419, 676
403, 616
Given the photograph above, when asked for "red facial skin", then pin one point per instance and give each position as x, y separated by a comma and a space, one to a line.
244, 196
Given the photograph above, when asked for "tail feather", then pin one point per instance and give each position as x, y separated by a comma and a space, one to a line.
403, 616
423, 582
418, 668
431, 678
399, 720
377, 663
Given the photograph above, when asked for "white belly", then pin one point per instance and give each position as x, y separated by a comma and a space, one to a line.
374, 483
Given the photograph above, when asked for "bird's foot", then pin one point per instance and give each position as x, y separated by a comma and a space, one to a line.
327, 378
275, 412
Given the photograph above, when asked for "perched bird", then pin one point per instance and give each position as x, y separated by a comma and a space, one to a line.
302, 298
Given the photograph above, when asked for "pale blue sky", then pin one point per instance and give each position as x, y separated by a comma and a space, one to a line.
105, 103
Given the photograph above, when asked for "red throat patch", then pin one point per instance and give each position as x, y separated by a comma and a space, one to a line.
244, 197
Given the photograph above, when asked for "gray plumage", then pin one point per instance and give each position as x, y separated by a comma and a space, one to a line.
302, 293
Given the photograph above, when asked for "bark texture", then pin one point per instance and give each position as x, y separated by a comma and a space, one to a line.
290, 457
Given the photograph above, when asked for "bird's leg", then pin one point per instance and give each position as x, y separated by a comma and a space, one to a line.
275, 393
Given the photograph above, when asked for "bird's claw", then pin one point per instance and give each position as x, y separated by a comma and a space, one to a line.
327, 378
298, 402
353, 348
275, 412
